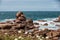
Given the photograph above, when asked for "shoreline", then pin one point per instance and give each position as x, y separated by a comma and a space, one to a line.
29, 28
48, 21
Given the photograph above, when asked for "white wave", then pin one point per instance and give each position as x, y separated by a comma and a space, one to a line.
49, 19
51, 24
7, 20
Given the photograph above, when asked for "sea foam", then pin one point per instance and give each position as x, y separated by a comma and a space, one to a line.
7, 20
51, 24
49, 20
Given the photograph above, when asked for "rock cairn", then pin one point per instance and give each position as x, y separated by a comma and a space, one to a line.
19, 23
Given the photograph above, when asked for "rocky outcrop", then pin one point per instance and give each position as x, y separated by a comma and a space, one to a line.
58, 25
42, 20
58, 19
52, 33
30, 24
46, 24
28, 27
6, 26
36, 23
19, 23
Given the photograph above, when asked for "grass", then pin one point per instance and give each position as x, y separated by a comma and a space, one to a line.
21, 37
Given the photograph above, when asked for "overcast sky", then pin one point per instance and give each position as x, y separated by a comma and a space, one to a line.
29, 5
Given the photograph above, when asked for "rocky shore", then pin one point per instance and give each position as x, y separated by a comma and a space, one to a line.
25, 28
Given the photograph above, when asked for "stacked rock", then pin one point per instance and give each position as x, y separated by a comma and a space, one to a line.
20, 21
20, 17
30, 24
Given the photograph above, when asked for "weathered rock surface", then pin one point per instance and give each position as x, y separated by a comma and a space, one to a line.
36, 23
6, 26
20, 16
57, 25
46, 24
42, 20
52, 34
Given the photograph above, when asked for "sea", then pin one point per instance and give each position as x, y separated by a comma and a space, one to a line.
35, 15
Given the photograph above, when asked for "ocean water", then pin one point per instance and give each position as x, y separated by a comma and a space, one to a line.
35, 15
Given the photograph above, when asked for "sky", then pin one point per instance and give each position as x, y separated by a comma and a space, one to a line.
29, 5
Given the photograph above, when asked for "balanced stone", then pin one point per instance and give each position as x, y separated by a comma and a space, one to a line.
20, 17
19, 14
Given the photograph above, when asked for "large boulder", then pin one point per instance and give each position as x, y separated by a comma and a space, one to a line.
6, 26
52, 33
19, 26
29, 24
46, 24
36, 23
